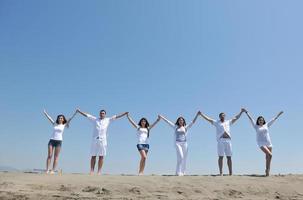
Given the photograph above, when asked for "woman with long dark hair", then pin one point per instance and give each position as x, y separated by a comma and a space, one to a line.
55, 142
181, 130
263, 138
143, 130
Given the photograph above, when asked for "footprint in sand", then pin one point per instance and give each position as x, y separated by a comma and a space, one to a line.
103, 191
233, 193
63, 188
135, 190
6, 184
90, 189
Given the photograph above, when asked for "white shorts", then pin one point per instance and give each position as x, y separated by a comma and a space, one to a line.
98, 148
224, 147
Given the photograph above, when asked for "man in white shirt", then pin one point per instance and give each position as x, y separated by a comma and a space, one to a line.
223, 135
99, 140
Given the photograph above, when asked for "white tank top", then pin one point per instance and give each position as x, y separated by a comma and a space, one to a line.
142, 134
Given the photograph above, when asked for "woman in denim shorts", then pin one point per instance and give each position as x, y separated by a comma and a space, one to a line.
143, 129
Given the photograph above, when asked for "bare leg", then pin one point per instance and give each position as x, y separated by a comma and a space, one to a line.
100, 164
229, 164
142, 161
56, 157
49, 157
220, 163
92, 164
268, 156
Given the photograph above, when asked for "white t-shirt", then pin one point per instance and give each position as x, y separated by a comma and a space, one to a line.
142, 134
58, 132
100, 126
222, 127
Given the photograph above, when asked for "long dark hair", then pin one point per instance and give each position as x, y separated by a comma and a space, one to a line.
64, 119
260, 117
177, 122
146, 126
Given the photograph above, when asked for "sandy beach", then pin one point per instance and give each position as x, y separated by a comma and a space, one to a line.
82, 186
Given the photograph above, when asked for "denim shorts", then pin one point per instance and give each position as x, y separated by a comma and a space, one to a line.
144, 147
55, 143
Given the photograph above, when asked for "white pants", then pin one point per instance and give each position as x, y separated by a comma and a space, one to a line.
224, 147
98, 148
181, 149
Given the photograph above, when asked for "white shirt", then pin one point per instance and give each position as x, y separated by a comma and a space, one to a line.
181, 132
100, 126
142, 134
262, 132
222, 127
58, 132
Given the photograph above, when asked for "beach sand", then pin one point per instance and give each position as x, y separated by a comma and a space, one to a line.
82, 186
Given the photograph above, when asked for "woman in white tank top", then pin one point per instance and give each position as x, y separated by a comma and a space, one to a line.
55, 142
263, 138
143, 129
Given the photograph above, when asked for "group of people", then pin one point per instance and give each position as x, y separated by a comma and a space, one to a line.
180, 128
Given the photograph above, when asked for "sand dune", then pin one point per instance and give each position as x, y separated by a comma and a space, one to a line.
80, 186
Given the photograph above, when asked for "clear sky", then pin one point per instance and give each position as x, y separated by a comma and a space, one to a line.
148, 58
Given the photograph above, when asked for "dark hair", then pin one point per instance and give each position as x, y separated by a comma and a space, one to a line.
177, 122
260, 117
102, 111
64, 119
147, 125
221, 114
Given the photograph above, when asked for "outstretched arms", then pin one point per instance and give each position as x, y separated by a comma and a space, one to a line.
82, 113
237, 116
194, 120
132, 121
48, 117
153, 124
274, 119
70, 119
167, 121
121, 115
210, 120
250, 118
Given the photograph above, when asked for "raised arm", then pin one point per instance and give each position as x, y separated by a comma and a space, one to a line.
153, 124
48, 117
167, 121
82, 113
274, 119
132, 121
250, 118
237, 116
194, 120
210, 120
70, 119
121, 115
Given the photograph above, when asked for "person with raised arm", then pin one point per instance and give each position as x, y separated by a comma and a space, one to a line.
99, 140
55, 142
181, 131
224, 146
143, 131
262, 136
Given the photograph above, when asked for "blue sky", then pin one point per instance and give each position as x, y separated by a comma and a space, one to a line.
150, 57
